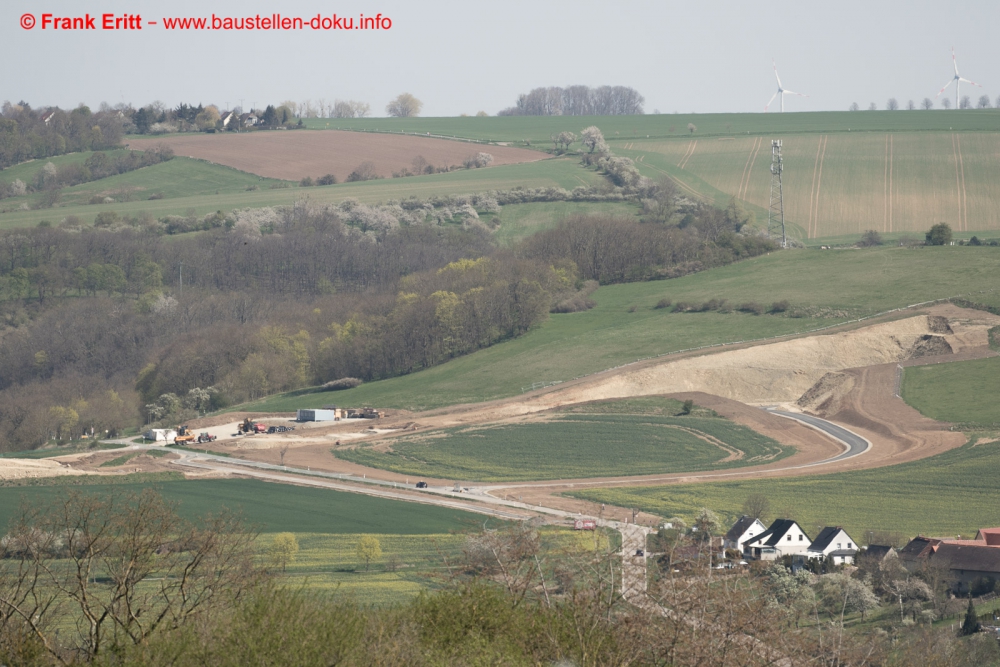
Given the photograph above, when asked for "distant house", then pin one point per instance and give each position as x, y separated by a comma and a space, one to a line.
918, 550
248, 120
969, 563
877, 552
783, 537
226, 117
745, 528
833, 541
47, 116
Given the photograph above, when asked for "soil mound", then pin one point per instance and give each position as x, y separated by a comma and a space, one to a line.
827, 394
938, 324
929, 346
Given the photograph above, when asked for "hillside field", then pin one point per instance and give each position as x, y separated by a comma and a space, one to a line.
295, 155
574, 446
539, 130
965, 392
949, 494
823, 288
192, 195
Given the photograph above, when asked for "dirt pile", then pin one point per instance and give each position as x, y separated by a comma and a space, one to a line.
27, 468
827, 393
930, 346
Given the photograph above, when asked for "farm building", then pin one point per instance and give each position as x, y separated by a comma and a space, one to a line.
336, 414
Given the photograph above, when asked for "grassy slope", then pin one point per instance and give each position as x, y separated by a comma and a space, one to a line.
844, 283
965, 392
28, 171
954, 493
521, 220
572, 446
539, 129
271, 507
565, 173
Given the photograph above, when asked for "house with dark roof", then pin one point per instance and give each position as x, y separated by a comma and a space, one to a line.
783, 537
918, 550
833, 541
744, 528
968, 563
877, 552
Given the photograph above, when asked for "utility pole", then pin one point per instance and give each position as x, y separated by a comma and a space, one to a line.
776, 211
182, 279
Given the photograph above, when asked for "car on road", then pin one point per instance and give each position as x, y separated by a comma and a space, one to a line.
640, 552
421, 485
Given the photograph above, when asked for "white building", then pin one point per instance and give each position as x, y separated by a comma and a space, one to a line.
745, 528
784, 537
833, 541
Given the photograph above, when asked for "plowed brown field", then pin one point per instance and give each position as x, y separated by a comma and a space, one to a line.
293, 155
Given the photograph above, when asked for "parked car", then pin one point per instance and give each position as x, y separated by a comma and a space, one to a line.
421, 485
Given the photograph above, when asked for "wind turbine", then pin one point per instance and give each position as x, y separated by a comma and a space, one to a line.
781, 91
957, 79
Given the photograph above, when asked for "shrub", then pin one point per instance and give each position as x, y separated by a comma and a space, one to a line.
780, 306
939, 234
662, 303
363, 172
574, 304
870, 239
307, 182
632, 308
975, 241
751, 307
342, 383
328, 179
106, 219
156, 195
683, 307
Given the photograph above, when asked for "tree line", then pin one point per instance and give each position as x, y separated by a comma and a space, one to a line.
31, 134
577, 101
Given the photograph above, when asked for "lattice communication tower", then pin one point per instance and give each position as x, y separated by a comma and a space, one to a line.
776, 212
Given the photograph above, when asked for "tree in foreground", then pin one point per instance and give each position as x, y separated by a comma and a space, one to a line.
939, 234
404, 106
368, 549
89, 576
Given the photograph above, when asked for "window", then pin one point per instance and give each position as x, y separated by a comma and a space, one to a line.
801, 537
838, 545
849, 546
789, 538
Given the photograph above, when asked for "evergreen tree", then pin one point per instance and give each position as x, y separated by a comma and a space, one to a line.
970, 625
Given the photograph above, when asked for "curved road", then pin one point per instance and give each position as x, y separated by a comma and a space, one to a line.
856, 445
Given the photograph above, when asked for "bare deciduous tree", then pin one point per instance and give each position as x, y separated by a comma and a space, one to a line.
892, 104
927, 104
757, 506
984, 102
854, 106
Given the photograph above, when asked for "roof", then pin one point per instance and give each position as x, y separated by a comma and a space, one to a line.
878, 551
826, 536
843, 552
969, 557
774, 533
920, 547
990, 535
740, 527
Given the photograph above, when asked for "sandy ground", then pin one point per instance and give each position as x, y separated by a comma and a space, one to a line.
293, 155
25, 468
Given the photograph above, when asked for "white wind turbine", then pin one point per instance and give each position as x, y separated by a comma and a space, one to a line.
957, 79
781, 91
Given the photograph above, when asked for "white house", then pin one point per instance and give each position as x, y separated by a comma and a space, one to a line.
782, 538
745, 528
833, 541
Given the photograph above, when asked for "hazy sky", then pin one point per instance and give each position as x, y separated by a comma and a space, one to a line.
471, 56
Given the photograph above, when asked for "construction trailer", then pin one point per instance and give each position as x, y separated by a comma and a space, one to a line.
336, 414
160, 434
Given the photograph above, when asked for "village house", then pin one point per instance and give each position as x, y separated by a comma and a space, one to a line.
744, 528
833, 541
783, 537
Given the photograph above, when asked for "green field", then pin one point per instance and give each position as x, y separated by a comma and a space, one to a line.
270, 507
965, 392
845, 183
539, 129
826, 286
559, 172
574, 446
950, 494
28, 171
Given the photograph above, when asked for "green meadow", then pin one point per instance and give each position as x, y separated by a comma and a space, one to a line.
964, 392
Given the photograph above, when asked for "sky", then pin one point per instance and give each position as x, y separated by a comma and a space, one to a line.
706, 57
